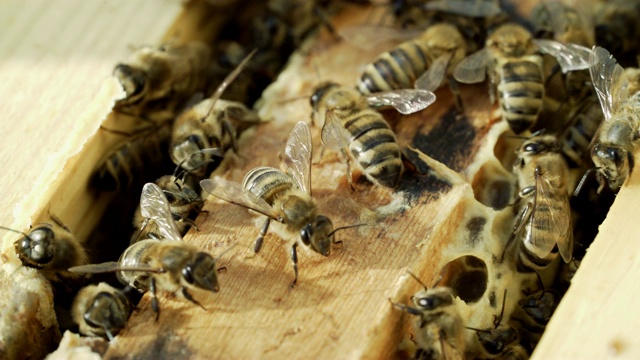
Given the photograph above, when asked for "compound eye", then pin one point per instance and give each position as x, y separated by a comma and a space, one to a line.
426, 303
187, 274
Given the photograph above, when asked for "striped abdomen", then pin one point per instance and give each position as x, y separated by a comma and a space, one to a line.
538, 226
268, 183
585, 123
396, 69
374, 147
128, 163
521, 90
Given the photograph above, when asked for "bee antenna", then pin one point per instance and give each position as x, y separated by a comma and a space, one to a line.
417, 279
583, 180
16, 231
347, 227
498, 320
408, 309
224, 252
228, 80
477, 330
144, 225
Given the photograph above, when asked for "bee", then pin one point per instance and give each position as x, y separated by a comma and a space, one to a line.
177, 203
582, 125
349, 120
501, 341
616, 26
131, 160
540, 308
563, 23
545, 219
212, 123
51, 248
101, 310
165, 263
284, 198
161, 79
514, 66
612, 152
424, 61
438, 329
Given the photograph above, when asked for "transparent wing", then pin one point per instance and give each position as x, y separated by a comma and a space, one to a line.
112, 266
235, 193
608, 79
473, 68
369, 36
476, 8
334, 135
556, 218
571, 57
406, 101
154, 206
432, 78
299, 150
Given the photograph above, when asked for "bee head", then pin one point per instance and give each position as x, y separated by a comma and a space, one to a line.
428, 300
320, 93
495, 341
318, 234
187, 153
133, 81
36, 249
105, 313
202, 272
613, 163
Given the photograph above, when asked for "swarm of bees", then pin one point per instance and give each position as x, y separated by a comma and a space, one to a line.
589, 126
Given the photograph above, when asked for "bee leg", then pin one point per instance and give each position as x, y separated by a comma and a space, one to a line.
228, 128
516, 229
154, 298
258, 244
294, 261
455, 89
349, 175
188, 296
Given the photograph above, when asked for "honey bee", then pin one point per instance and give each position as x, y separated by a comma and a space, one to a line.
582, 125
284, 198
423, 61
164, 210
101, 310
349, 120
545, 219
438, 329
540, 308
616, 26
510, 57
612, 152
51, 248
131, 160
212, 123
563, 23
161, 79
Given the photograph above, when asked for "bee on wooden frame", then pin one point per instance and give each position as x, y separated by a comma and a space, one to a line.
101, 310
212, 123
438, 329
350, 121
516, 69
612, 151
166, 264
284, 198
159, 80
51, 248
544, 219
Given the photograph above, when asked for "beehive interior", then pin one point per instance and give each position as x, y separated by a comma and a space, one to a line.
449, 221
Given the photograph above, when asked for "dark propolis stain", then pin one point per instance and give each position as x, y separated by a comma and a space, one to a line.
475, 226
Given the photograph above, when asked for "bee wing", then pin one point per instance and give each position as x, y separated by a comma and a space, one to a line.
370, 36
571, 57
235, 193
557, 221
111, 266
406, 101
609, 80
432, 78
154, 206
298, 151
473, 68
478, 8
334, 135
